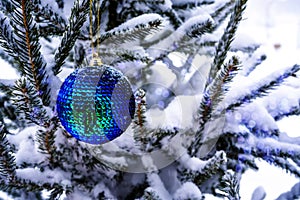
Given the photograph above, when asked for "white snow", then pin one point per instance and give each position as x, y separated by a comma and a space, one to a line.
142, 19
179, 113
271, 22
188, 191
157, 185
7, 72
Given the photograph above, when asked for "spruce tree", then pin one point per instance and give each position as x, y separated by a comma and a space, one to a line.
195, 131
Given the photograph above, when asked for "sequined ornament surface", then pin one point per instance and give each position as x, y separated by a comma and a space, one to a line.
96, 104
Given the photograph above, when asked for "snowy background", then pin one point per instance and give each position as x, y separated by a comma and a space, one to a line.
276, 25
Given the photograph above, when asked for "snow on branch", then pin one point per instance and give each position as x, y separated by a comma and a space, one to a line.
220, 11
48, 19
294, 193
230, 186
285, 164
115, 55
273, 151
7, 160
227, 38
28, 102
132, 30
213, 95
72, 32
27, 42
179, 4
7, 40
188, 190
156, 186
46, 140
183, 37
198, 171
260, 89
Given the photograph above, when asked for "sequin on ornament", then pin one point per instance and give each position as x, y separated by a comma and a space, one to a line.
96, 104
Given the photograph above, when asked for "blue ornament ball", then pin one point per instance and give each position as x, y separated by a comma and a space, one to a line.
96, 104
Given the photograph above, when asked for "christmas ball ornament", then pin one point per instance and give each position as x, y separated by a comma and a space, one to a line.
96, 104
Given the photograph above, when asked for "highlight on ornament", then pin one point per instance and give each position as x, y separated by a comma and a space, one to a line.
96, 104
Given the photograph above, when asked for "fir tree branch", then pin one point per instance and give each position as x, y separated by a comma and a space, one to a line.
285, 164
29, 48
230, 185
150, 194
293, 111
49, 22
7, 40
5, 89
263, 89
46, 140
29, 186
257, 61
124, 33
140, 130
6, 6
226, 40
7, 160
268, 149
28, 102
72, 32
212, 167
113, 56
212, 96
294, 193
190, 4
184, 42
221, 13
173, 17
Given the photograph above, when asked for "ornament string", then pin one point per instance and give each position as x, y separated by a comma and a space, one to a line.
91, 27
96, 61
98, 24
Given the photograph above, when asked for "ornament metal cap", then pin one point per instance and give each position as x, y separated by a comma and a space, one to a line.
96, 60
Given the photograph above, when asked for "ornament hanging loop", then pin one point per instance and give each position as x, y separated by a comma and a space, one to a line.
96, 60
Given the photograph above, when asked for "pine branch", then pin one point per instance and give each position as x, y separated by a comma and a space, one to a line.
49, 22
221, 13
46, 140
6, 6
173, 17
190, 4
113, 56
294, 193
72, 32
27, 41
292, 112
226, 40
197, 30
125, 33
183, 39
213, 95
139, 128
262, 90
257, 61
211, 168
266, 148
29, 186
7, 160
230, 185
7, 40
150, 195
5, 89
28, 102
6, 109
285, 164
